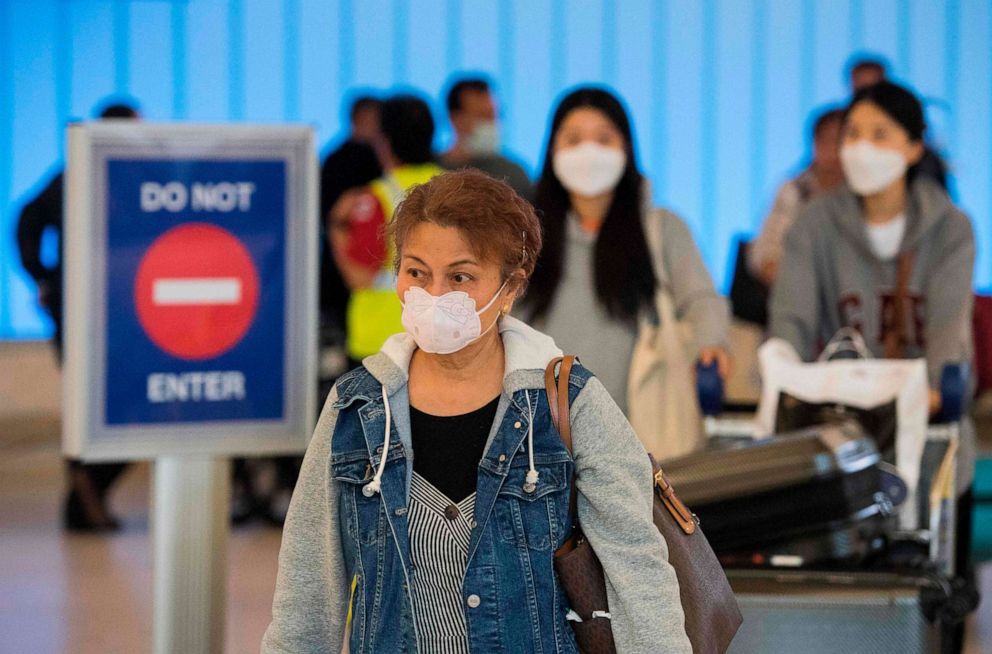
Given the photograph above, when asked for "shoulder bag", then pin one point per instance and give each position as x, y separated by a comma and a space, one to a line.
712, 616
661, 397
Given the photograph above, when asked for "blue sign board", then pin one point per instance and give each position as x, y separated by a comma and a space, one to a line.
157, 372
191, 261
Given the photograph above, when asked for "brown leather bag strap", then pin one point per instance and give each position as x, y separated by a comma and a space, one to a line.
558, 396
895, 339
558, 402
551, 387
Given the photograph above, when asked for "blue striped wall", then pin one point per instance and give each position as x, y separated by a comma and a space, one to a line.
720, 90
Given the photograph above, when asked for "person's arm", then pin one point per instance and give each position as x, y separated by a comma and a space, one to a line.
311, 598
43, 212
949, 298
695, 298
765, 253
614, 480
795, 303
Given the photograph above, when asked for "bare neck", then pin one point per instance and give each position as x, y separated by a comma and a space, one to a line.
592, 211
459, 152
451, 384
881, 207
827, 180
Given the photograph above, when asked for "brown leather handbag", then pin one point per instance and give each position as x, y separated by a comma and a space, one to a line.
712, 616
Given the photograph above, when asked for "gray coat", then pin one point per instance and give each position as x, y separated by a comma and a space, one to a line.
831, 278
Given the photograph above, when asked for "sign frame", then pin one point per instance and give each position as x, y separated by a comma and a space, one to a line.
91, 145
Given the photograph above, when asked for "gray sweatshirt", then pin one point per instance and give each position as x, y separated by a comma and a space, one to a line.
831, 278
580, 325
614, 506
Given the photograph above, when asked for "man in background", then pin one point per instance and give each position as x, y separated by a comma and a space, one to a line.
86, 505
358, 219
472, 113
823, 174
354, 164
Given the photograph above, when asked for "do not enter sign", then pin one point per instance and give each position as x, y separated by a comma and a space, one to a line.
196, 291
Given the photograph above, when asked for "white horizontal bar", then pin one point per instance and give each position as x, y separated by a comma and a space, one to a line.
196, 290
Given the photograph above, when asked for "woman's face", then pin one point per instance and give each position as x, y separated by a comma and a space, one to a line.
867, 122
587, 124
439, 260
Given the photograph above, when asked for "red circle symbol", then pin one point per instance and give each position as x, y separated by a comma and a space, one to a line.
196, 291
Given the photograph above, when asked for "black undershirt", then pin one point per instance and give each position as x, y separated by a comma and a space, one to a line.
447, 449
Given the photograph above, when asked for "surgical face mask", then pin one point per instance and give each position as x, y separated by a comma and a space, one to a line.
484, 139
869, 168
443, 324
589, 169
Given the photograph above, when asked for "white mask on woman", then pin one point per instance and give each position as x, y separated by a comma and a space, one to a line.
589, 169
446, 323
869, 168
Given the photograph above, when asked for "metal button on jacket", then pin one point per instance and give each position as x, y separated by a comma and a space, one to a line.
474, 601
451, 512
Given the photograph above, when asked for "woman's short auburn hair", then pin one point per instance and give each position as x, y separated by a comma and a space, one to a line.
499, 225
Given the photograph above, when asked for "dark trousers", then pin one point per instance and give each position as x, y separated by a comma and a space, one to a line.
89, 483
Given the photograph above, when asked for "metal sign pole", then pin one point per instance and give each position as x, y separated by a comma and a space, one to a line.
190, 526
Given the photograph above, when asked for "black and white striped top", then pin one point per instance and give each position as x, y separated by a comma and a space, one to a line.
439, 536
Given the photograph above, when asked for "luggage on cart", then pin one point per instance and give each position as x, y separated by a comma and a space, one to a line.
800, 499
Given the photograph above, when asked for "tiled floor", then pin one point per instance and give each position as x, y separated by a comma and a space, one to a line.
83, 594
92, 594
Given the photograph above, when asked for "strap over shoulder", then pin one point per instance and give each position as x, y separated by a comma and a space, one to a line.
557, 390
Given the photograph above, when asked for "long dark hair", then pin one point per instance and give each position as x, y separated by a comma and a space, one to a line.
623, 275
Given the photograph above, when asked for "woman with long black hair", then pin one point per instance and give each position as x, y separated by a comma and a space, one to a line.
600, 270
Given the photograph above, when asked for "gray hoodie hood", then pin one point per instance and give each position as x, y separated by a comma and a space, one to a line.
928, 206
526, 350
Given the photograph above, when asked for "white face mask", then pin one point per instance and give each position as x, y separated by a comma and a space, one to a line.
484, 139
869, 168
443, 324
589, 169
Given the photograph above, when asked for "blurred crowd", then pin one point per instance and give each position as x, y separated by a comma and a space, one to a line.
865, 236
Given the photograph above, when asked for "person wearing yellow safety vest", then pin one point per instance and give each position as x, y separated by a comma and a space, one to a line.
358, 221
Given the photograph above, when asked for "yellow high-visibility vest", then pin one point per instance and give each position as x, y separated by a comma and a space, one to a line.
374, 312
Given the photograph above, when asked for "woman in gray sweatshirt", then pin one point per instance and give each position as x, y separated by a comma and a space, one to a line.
889, 255
597, 273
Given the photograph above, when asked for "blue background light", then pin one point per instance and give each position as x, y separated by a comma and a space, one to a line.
720, 90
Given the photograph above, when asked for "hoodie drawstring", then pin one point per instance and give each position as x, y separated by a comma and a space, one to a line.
530, 483
375, 485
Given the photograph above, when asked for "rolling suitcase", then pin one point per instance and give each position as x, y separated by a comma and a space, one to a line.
813, 496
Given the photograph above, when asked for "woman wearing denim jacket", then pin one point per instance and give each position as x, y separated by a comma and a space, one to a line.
435, 489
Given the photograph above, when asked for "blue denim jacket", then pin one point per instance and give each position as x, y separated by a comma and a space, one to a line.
343, 550
519, 606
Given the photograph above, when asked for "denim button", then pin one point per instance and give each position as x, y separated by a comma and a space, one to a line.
517, 425
474, 601
502, 458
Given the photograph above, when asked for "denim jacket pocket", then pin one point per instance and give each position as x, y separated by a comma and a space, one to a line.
361, 515
533, 519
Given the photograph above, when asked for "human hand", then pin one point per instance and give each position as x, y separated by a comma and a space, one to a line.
709, 355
